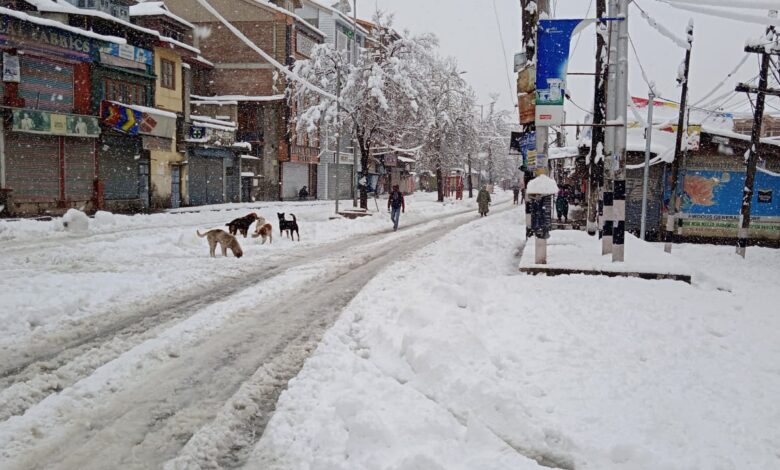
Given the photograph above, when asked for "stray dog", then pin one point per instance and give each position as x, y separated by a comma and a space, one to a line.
289, 225
263, 229
225, 241
241, 224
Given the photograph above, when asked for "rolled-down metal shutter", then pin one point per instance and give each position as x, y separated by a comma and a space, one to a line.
32, 167
119, 157
232, 178
79, 169
45, 84
322, 181
344, 181
634, 179
206, 176
294, 177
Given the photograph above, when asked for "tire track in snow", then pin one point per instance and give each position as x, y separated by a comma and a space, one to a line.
145, 422
54, 362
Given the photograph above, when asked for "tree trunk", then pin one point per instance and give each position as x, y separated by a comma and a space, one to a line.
363, 191
439, 184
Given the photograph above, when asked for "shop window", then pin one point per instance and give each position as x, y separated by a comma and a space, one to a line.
167, 74
124, 92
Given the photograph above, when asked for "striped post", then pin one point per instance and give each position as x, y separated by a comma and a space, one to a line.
619, 216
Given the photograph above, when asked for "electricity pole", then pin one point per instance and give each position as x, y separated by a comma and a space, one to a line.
646, 174
755, 138
355, 144
337, 152
671, 212
621, 102
609, 132
596, 168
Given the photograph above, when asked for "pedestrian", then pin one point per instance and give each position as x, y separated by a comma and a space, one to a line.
483, 201
515, 193
303, 193
528, 175
396, 205
562, 205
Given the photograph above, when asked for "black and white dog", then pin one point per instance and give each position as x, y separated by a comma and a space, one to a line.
289, 225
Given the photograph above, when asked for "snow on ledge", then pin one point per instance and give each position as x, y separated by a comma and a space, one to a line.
542, 185
58, 25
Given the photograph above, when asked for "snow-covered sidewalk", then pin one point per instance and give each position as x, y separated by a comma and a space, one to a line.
454, 360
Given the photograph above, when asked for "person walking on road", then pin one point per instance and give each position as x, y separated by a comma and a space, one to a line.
515, 193
396, 205
483, 200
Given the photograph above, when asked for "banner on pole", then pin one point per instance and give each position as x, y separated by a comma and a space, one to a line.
554, 42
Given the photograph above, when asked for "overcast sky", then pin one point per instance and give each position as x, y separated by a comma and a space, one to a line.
468, 30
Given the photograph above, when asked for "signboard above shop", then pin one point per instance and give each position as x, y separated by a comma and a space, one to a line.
43, 122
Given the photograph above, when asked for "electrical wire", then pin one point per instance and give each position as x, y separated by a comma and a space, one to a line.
579, 35
512, 91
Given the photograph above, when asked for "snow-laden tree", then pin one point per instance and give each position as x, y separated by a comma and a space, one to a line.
494, 135
380, 95
446, 121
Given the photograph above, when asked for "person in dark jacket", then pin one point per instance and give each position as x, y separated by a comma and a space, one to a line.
303, 193
396, 205
562, 204
483, 201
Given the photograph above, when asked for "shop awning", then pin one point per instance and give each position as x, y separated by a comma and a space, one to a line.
134, 119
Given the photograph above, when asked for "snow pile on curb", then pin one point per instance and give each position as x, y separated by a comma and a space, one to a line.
75, 221
542, 185
453, 360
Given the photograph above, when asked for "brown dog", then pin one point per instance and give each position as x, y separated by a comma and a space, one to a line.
225, 241
263, 229
241, 224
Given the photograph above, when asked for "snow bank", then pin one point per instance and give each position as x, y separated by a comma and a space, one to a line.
75, 221
453, 360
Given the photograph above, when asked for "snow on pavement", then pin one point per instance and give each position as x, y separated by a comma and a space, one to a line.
454, 360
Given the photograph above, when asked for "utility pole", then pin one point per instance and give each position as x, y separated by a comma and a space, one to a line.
609, 139
755, 138
471, 189
671, 211
621, 102
646, 174
355, 144
337, 152
596, 168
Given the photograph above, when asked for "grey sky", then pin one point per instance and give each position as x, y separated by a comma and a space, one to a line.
467, 30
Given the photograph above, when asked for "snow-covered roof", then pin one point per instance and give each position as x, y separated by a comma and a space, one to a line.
213, 102
279, 9
212, 120
64, 7
563, 152
238, 98
197, 122
243, 145
56, 24
401, 158
339, 13
735, 135
250, 157
157, 9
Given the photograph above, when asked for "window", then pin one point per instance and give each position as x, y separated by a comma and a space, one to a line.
167, 74
124, 92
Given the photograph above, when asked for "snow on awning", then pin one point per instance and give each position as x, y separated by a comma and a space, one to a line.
157, 8
56, 24
406, 159
249, 157
239, 98
133, 119
248, 173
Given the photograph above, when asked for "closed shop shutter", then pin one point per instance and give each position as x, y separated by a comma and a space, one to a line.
634, 183
119, 166
32, 167
46, 85
79, 168
294, 177
322, 181
206, 176
232, 179
344, 181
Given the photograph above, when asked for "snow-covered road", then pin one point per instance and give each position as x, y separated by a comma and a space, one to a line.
125, 378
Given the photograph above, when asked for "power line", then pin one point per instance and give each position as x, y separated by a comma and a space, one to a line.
503, 49
579, 35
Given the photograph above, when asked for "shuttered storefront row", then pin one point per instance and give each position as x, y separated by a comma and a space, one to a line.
206, 176
119, 158
79, 169
46, 85
294, 177
32, 167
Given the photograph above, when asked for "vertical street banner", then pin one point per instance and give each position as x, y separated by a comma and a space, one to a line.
554, 42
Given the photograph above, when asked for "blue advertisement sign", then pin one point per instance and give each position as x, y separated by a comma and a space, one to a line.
554, 42
126, 51
528, 150
719, 193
